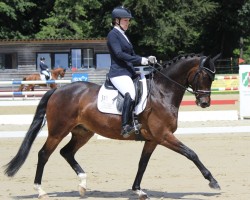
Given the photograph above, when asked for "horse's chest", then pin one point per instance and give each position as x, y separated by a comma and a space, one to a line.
172, 111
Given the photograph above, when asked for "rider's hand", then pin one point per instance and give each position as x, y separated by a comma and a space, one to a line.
152, 59
144, 61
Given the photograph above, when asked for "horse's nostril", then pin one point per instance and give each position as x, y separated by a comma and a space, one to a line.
204, 104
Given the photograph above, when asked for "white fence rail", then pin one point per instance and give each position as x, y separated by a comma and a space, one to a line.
22, 93
33, 82
27, 93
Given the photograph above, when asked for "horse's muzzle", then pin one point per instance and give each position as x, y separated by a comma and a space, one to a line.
203, 102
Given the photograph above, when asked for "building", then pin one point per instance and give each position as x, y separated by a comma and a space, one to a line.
66, 53
19, 58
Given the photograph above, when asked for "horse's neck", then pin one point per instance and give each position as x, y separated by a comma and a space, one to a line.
169, 92
55, 74
171, 88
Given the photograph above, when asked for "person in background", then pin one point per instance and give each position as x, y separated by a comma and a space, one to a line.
123, 59
44, 69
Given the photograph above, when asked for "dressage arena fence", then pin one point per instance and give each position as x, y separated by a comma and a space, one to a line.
33, 82
26, 93
221, 83
226, 83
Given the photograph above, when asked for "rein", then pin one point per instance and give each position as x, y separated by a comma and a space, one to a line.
195, 92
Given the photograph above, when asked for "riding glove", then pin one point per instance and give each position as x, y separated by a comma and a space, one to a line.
152, 59
144, 61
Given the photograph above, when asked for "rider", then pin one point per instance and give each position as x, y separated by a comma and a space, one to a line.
44, 68
123, 59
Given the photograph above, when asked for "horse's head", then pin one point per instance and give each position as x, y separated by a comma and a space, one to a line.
200, 80
59, 72
194, 71
62, 72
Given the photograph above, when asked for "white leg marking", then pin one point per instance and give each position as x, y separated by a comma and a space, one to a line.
83, 184
142, 195
41, 192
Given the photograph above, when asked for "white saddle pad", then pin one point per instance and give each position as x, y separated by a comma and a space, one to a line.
106, 102
42, 76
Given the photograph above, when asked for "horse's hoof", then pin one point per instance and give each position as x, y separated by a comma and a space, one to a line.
81, 190
214, 185
142, 195
43, 196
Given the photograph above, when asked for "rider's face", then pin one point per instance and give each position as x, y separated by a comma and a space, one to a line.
124, 23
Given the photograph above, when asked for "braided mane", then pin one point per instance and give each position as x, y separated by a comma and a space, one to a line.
177, 58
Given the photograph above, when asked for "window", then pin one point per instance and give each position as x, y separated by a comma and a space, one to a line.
8, 61
61, 60
103, 60
76, 55
2, 61
82, 58
88, 58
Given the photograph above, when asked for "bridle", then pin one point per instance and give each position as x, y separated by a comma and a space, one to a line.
201, 69
208, 71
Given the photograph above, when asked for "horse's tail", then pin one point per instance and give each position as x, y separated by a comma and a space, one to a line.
15, 164
20, 89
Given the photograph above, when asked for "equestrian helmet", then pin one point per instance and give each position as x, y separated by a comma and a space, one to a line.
121, 12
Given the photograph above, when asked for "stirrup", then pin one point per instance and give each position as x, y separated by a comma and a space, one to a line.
137, 127
127, 130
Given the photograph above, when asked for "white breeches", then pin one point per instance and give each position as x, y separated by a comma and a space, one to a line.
46, 73
124, 84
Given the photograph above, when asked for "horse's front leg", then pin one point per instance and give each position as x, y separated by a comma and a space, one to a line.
30, 88
147, 151
171, 142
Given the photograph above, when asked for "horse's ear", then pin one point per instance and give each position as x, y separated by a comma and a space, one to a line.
216, 57
207, 60
212, 61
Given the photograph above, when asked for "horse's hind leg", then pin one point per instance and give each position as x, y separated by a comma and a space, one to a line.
43, 156
79, 138
173, 143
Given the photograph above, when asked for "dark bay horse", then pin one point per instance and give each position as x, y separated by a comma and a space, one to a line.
74, 106
55, 73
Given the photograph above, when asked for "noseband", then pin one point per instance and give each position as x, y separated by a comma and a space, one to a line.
201, 69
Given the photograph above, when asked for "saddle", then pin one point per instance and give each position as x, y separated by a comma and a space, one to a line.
45, 77
120, 98
110, 100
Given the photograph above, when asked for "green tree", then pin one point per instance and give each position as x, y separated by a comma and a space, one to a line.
223, 32
163, 28
244, 18
167, 28
160, 27
181, 27
244, 27
16, 19
69, 19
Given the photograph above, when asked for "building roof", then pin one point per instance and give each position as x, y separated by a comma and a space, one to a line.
49, 41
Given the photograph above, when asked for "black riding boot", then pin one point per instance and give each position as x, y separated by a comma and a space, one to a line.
127, 110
